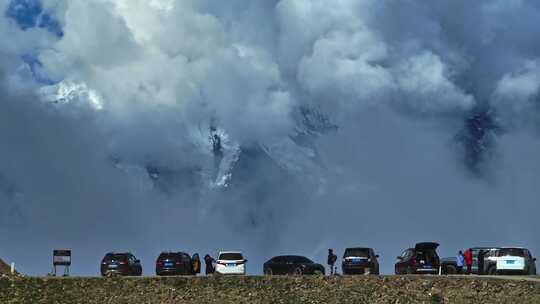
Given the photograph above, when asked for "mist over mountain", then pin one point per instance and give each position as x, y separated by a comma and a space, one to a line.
272, 127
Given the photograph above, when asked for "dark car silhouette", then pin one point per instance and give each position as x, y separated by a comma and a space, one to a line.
177, 263
422, 259
292, 264
124, 264
360, 261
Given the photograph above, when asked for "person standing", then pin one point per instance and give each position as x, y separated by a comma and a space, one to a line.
209, 261
468, 260
196, 264
460, 260
481, 255
332, 258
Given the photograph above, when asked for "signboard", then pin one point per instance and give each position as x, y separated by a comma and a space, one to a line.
62, 257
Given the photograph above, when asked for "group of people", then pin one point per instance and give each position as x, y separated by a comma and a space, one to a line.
465, 260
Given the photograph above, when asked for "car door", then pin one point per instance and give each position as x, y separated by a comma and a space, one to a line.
131, 265
287, 265
137, 266
531, 261
273, 264
402, 263
297, 262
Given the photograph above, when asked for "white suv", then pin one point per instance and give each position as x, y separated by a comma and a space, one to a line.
515, 260
231, 262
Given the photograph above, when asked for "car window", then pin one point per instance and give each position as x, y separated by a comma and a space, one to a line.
171, 256
276, 260
112, 256
407, 254
511, 252
491, 253
132, 259
356, 252
303, 260
231, 256
167, 256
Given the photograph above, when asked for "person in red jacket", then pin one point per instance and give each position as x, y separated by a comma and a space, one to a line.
468, 260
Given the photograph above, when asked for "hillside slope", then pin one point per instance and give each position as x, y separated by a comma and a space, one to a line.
413, 289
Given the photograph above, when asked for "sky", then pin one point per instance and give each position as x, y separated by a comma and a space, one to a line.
271, 127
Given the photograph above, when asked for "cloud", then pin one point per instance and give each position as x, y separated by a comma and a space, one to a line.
337, 125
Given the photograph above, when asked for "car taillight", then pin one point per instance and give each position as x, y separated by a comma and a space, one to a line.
240, 262
159, 263
122, 262
178, 263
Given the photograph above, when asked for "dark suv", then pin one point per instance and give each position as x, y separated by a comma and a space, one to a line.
360, 261
124, 264
177, 263
292, 264
422, 259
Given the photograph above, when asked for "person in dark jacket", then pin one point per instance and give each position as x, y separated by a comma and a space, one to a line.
481, 255
209, 261
332, 258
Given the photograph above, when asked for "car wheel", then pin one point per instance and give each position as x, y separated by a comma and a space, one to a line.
492, 270
268, 271
450, 269
298, 271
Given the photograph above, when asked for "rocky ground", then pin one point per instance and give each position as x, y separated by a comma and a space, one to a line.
253, 290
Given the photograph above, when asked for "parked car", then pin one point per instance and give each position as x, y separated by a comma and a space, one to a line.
359, 260
231, 262
124, 264
292, 264
449, 264
177, 263
422, 259
515, 260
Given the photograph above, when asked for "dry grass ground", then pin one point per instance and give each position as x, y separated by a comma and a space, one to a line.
254, 290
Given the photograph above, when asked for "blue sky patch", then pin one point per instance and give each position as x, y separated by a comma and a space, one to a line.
29, 14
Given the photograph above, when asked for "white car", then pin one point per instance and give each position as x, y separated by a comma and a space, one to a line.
515, 260
231, 262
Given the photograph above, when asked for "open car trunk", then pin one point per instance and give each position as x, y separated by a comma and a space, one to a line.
426, 255
427, 246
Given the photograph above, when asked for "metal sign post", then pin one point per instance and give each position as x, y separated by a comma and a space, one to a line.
62, 258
